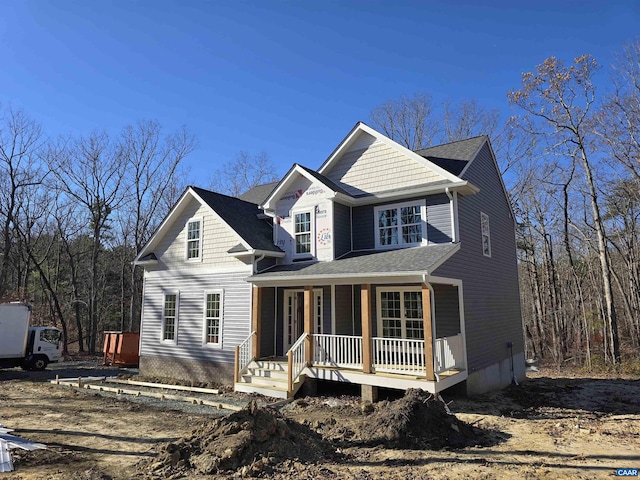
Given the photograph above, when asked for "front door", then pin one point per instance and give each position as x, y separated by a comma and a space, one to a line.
294, 315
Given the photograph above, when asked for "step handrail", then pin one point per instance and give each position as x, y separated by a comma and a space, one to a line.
296, 361
243, 356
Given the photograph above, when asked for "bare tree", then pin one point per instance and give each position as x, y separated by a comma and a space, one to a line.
91, 172
243, 173
152, 167
410, 121
558, 103
20, 140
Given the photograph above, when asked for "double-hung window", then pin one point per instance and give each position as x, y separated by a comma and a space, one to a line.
170, 318
213, 318
400, 314
400, 225
303, 234
194, 239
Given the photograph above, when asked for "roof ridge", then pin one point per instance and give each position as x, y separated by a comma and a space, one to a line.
451, 143
221, 194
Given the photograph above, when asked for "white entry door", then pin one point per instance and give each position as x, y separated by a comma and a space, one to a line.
294, 315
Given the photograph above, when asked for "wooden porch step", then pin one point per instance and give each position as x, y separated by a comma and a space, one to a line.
267, 377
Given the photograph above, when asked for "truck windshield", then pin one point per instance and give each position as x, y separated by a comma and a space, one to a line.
50, 335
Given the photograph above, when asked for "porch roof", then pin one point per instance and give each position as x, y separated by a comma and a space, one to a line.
405, 262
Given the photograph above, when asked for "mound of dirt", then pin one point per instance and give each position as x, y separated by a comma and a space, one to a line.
416, 421
251, 441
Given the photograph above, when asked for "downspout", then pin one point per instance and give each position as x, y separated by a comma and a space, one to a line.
433, 322
256, 261
453, 197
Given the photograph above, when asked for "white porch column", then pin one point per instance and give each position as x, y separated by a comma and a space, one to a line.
365, 307
255, 319
428, 335
308, 323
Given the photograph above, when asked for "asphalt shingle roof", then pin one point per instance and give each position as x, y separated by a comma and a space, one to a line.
242, 216
259, 193
321, 178
406, 260
453, 156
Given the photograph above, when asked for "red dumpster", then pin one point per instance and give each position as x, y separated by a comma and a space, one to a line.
121, 349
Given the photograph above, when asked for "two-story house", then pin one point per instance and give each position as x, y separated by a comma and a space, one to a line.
384, 268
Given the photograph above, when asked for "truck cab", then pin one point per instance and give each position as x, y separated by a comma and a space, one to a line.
43, 347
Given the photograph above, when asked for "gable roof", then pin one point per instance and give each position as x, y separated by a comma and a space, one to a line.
309, 175
454, 156
259, 193
239, 216
242, 217
363, 127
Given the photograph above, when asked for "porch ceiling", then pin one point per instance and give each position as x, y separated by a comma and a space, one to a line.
398, 264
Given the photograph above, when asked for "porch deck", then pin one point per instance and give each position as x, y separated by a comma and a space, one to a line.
395, 363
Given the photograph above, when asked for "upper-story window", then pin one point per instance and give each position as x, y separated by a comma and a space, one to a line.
303, 234
400, 225
486, 235
194, 239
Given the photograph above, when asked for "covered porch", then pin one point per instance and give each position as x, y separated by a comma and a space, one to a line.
394, 332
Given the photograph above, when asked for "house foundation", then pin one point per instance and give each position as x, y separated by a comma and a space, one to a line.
496, 376
186, 370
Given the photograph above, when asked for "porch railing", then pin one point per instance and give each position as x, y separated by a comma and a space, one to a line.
296, 359
337, 351
397, 355
243, 355
448, 353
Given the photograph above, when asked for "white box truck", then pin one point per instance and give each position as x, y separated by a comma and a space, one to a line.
31, 348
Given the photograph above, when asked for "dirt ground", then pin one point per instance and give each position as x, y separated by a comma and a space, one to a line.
550, 427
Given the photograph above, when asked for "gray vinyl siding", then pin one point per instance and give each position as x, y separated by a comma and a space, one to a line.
363, 228
490, 285
344, 310
279, 332
341, 229
439, 219
267, 324
236, 318
447, 318
326, 309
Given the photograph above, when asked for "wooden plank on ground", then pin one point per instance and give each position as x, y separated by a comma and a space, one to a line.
212, 391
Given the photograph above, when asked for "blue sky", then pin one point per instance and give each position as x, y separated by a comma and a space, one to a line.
287, 77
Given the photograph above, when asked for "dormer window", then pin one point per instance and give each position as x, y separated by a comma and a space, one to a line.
400, 225
303, 234
194, 239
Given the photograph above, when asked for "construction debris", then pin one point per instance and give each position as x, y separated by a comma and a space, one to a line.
8, 441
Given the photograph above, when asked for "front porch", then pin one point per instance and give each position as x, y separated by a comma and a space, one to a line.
431, 359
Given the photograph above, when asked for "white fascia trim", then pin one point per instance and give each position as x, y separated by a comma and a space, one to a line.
143, 263
286, 180
168, 220
362, 127
266, 253
186, 272
462, 186
344, 279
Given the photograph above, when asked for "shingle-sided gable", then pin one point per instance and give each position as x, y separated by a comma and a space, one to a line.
371, 166
242, 217
237, 218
